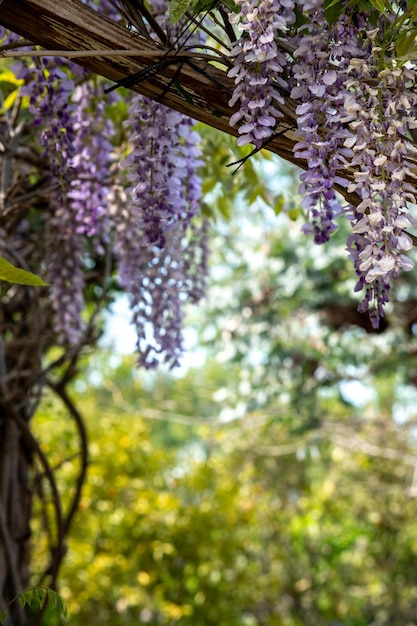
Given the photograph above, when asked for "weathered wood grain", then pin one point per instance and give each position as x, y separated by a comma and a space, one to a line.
71, 25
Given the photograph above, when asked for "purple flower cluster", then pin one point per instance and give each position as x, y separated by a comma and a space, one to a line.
380, 107
79, 156
355, 107
159, 237
153, 231
159, 284
160, 240
318, 76
92, 165
258, 67
49, 90
158, 169
65, 252
84, 211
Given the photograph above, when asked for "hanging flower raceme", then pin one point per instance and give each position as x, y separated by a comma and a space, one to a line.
319, 73
160, 248
49, 91
92, 163
159, 282
154, 231
258, 67
78, 153
158, 170
380, 107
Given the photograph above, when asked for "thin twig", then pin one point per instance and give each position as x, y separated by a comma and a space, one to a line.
16, 44
105, 52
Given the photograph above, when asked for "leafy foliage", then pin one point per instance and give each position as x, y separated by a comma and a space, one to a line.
13, 274
40, 598
250, 524
258, 490
177, 9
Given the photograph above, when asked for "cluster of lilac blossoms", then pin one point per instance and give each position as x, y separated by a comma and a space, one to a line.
79, 157
318, 76
91, 164
355, 107
49, 90
258, 67
380, 107
366, 142
152, 235
160, 239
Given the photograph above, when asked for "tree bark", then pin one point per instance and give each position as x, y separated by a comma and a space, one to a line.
15, 514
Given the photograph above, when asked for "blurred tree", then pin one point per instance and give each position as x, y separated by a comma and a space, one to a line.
281, 487
247, 524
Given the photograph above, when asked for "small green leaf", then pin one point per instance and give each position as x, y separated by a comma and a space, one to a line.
3, 616
40, 595
279, 204
332, 11
61, 606
26, 598
12, 274
404, 44
177, 9
380, 5
205, 5
224, 207
293, 213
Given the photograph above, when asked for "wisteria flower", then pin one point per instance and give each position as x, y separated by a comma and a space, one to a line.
258, 67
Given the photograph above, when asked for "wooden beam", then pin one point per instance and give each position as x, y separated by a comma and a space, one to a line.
71, 25
205, 89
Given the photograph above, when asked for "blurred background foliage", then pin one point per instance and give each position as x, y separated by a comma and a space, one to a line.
272, 481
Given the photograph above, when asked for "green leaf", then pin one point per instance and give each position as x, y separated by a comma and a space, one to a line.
380, 5
408, 17
332, 11
26, 598
405, 43
223, 205
61, 606
205, 5
177, 9
40, 596
12, 274
279, 204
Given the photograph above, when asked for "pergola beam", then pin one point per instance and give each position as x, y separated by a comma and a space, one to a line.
71, 25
